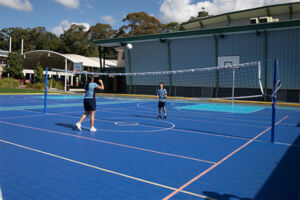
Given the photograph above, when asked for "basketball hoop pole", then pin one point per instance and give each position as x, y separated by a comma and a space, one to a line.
233, 85
274, 96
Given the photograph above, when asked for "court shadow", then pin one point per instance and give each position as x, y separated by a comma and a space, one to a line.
218, 196
284, 182
71, 126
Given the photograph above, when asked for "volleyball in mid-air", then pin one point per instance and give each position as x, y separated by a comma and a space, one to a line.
129, 46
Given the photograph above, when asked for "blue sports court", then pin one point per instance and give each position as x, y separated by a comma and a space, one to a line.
201, 151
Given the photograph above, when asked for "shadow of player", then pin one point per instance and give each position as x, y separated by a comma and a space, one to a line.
71, 126
217, 196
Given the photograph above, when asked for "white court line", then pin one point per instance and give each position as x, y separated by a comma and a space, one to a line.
172, 128
204, 133
1, 198
221, 161
200, 133
107, 142
286, 144
127, 131
213, 116
261, 115
197, 120
102, 169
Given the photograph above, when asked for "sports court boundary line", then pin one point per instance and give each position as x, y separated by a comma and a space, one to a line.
187, 131
174, 129
113, 121
220, 162
215, 115
111, 143
104, 170
182, 130
186, 119
197, 100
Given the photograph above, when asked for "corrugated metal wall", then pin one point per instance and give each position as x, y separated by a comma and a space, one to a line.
193, 53
147, 57
250, 48
198, 52
285, 46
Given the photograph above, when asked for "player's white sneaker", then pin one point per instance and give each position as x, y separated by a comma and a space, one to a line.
78, 126
93, 129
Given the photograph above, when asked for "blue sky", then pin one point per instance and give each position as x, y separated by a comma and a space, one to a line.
58, 15
50, 13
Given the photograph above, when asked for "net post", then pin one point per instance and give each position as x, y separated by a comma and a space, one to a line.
66, 68
129, 66
46, 91
274, 101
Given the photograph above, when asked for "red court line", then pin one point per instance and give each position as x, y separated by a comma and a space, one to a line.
220, 162
107, 142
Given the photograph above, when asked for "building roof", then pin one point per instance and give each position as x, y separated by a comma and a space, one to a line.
197, 33
3, 53
108, 62
53, 59
278, 9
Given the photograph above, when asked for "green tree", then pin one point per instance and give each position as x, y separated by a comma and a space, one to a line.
98, 32
101, 31
16, 34
34, 39
171, 27
201, 14
15, 65
38, 73
140, 23
75, 41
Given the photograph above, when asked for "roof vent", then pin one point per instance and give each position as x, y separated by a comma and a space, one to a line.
254, 20
267, 19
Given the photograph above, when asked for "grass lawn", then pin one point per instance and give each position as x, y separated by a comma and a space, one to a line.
18, 90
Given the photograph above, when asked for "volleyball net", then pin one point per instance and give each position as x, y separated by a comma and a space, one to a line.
239, 81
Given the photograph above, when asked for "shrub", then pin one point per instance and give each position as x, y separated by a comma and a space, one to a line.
38, 73
55, 84
37, 86
51, 83
9, 83
15, 65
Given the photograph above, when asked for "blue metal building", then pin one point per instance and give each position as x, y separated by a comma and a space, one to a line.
260, 34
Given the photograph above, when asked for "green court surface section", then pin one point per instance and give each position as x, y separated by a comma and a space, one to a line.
18, 90
59, 105
243, 109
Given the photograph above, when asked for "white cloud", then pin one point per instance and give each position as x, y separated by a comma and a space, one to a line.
108, 19
69, 3
65, 25
23, 5
182, 10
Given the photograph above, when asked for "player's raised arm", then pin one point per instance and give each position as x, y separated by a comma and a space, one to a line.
101, 87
